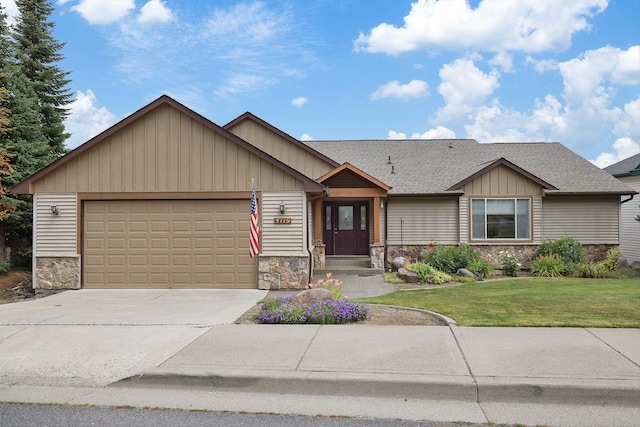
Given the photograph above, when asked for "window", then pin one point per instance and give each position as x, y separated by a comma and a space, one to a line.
500, 219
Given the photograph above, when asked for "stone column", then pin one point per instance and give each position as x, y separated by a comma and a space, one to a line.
376, 253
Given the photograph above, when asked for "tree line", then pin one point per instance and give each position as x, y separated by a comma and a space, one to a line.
34, 95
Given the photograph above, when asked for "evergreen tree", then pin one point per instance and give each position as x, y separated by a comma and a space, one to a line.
38, 54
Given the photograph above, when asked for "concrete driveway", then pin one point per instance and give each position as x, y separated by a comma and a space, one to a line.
95, 337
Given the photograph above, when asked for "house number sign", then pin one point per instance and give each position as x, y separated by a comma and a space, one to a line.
282, 220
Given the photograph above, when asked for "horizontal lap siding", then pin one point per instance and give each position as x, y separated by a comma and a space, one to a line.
590, 220
284, 239
629, 227
420, 220
56, 234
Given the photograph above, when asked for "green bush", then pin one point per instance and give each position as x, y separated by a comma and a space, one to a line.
428, 274
548, 266
4, 267
481, 266
567, 248
449, 259
590, 270
510, 263
611, 261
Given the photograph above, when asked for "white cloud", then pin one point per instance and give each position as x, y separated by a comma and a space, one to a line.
583, 76
413, 89
495, 25
504, 61
463, 87
299, 101
155, 11
396, 135
250, 22
544, 65
103, 12
624, 148
440, 132
306, 137
11, 10
86, 119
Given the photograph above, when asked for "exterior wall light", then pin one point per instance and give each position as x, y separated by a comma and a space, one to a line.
283, 207
54, 209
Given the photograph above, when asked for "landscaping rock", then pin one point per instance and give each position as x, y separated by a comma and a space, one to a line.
408, 276
312, 296
398, 263
463, 272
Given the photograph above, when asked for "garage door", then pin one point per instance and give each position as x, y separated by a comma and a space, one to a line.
168, 244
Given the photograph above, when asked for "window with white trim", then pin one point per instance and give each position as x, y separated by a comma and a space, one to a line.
500, 219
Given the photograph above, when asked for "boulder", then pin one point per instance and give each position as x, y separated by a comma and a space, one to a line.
408, 276
463, 272
398, 263
312, 296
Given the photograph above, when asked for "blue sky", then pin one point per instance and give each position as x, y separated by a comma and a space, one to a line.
493, 70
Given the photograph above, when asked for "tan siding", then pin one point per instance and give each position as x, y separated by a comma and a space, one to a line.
464, 219
414, 221
502, 181
537, 219
55, 234
282, 149
166, 150
591, 220
284, 239
629, 227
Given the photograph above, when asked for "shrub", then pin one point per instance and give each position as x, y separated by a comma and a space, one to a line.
590, 270
481, 266
567, 248
510, 263
326, 312
548, 266
449, 259
4, 267
611, 261
428, 274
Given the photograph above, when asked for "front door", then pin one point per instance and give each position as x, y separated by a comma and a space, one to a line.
346, 228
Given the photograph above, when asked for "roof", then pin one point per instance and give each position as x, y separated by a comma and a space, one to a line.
432, 167
626, 167
25, 186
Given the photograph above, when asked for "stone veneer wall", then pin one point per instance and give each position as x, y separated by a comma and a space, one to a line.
525, 253
283, 272
319, 256
57, 273
376, 253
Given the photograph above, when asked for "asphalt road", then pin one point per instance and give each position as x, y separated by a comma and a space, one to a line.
19, 415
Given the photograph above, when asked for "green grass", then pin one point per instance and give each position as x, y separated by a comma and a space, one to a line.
536, 301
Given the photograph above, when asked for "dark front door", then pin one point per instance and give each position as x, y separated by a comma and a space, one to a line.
346, 228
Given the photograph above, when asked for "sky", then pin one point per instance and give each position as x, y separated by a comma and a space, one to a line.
492, 70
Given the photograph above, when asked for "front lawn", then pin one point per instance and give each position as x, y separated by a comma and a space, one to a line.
536, 301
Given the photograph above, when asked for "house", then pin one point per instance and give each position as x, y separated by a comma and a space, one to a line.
628, 171
162, 199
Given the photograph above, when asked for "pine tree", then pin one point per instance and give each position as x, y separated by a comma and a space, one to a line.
38, 54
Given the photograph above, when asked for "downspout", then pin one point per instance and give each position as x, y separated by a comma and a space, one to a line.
386, 228
628, 200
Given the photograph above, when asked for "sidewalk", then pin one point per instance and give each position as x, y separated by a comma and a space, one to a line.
177, 349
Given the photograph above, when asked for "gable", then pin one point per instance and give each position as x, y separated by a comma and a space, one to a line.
502, 181
280, 145
166, 147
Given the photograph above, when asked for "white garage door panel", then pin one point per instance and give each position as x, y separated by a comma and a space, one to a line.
168, 243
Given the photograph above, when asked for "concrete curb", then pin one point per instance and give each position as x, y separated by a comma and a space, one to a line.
403, 386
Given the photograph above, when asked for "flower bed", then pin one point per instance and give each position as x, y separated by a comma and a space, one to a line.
327, 312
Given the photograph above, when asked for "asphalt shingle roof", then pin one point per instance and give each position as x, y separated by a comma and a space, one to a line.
434, 166
625, 166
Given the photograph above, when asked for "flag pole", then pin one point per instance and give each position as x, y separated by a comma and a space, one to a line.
254, 225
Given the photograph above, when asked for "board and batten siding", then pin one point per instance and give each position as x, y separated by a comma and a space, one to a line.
502, 181
421, 220
590, 220
284, 239
279, 147
55, 235
629, 227
166, 150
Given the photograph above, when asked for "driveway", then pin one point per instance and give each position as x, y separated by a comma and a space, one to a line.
95, 337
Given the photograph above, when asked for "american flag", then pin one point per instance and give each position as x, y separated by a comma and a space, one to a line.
255, 228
